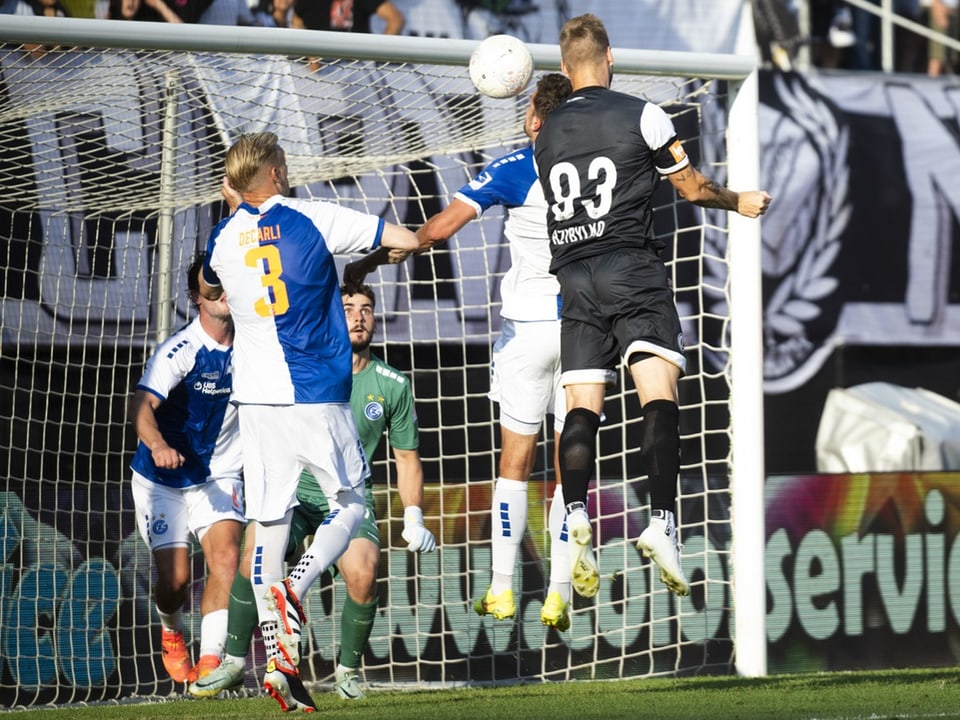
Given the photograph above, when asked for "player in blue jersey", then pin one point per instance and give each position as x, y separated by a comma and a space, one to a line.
600, 158
187, 479
382, 402
273, 259
525, 370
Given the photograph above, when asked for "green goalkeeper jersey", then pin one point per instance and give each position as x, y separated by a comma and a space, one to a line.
381, 399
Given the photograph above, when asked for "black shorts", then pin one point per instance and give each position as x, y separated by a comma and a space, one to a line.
614, 305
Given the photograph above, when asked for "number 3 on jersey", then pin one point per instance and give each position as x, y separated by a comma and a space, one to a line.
565, 183
266, 258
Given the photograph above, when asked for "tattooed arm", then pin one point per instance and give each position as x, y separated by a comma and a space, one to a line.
697, 188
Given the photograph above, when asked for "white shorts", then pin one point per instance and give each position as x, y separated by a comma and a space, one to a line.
169, 516
525, 376
280, 441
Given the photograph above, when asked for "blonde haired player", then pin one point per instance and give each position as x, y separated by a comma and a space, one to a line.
273, 258
617, 300
382, 402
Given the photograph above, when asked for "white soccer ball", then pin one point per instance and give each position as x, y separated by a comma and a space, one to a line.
501, 66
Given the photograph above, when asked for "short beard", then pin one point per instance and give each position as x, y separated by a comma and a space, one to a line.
361, 345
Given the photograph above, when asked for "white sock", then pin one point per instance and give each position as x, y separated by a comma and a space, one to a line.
268, 632
213, 633
329, 541
241, 661
559, 551
508, 516
171, 622
267, 565
500, 582
666, 516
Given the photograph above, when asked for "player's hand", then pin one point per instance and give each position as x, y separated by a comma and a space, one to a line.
167, 458
418, 538
396, 256
230, 194
354, 273
753, 203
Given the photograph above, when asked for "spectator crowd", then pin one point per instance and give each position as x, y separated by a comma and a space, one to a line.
343, 15
838, 35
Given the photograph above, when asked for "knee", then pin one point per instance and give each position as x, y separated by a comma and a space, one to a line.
362, 584
579, 436
358, 566
174, 582
223, 561
350, 512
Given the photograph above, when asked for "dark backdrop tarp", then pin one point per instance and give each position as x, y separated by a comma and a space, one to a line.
861, 274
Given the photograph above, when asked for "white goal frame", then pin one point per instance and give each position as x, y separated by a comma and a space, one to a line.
746, 476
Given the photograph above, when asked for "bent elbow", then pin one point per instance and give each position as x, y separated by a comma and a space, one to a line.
435, 232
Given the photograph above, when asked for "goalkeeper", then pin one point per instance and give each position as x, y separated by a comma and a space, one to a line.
381, 399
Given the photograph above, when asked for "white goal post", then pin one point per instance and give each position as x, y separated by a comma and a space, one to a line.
112, 139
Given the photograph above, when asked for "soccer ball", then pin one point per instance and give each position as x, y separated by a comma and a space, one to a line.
501, 66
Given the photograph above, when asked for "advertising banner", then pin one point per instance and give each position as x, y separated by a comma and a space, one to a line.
863, 571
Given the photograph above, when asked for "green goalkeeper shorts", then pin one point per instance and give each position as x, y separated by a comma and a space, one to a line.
307, 518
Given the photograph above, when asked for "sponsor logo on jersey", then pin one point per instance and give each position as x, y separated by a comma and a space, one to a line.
237, 498
210, 388
480, 180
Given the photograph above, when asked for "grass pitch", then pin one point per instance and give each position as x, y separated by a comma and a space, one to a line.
901, 694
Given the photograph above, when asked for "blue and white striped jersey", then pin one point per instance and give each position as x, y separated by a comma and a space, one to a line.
528, 291
275, 264
191, 374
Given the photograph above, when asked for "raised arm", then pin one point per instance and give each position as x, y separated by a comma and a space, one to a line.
442, 226
397, 237
396, 244
354, 273
392, 16
164, 11
209, 289
437, 229
695, 187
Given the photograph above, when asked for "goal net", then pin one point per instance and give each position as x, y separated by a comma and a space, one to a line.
112, 141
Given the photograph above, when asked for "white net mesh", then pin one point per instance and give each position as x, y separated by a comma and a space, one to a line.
103, 150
